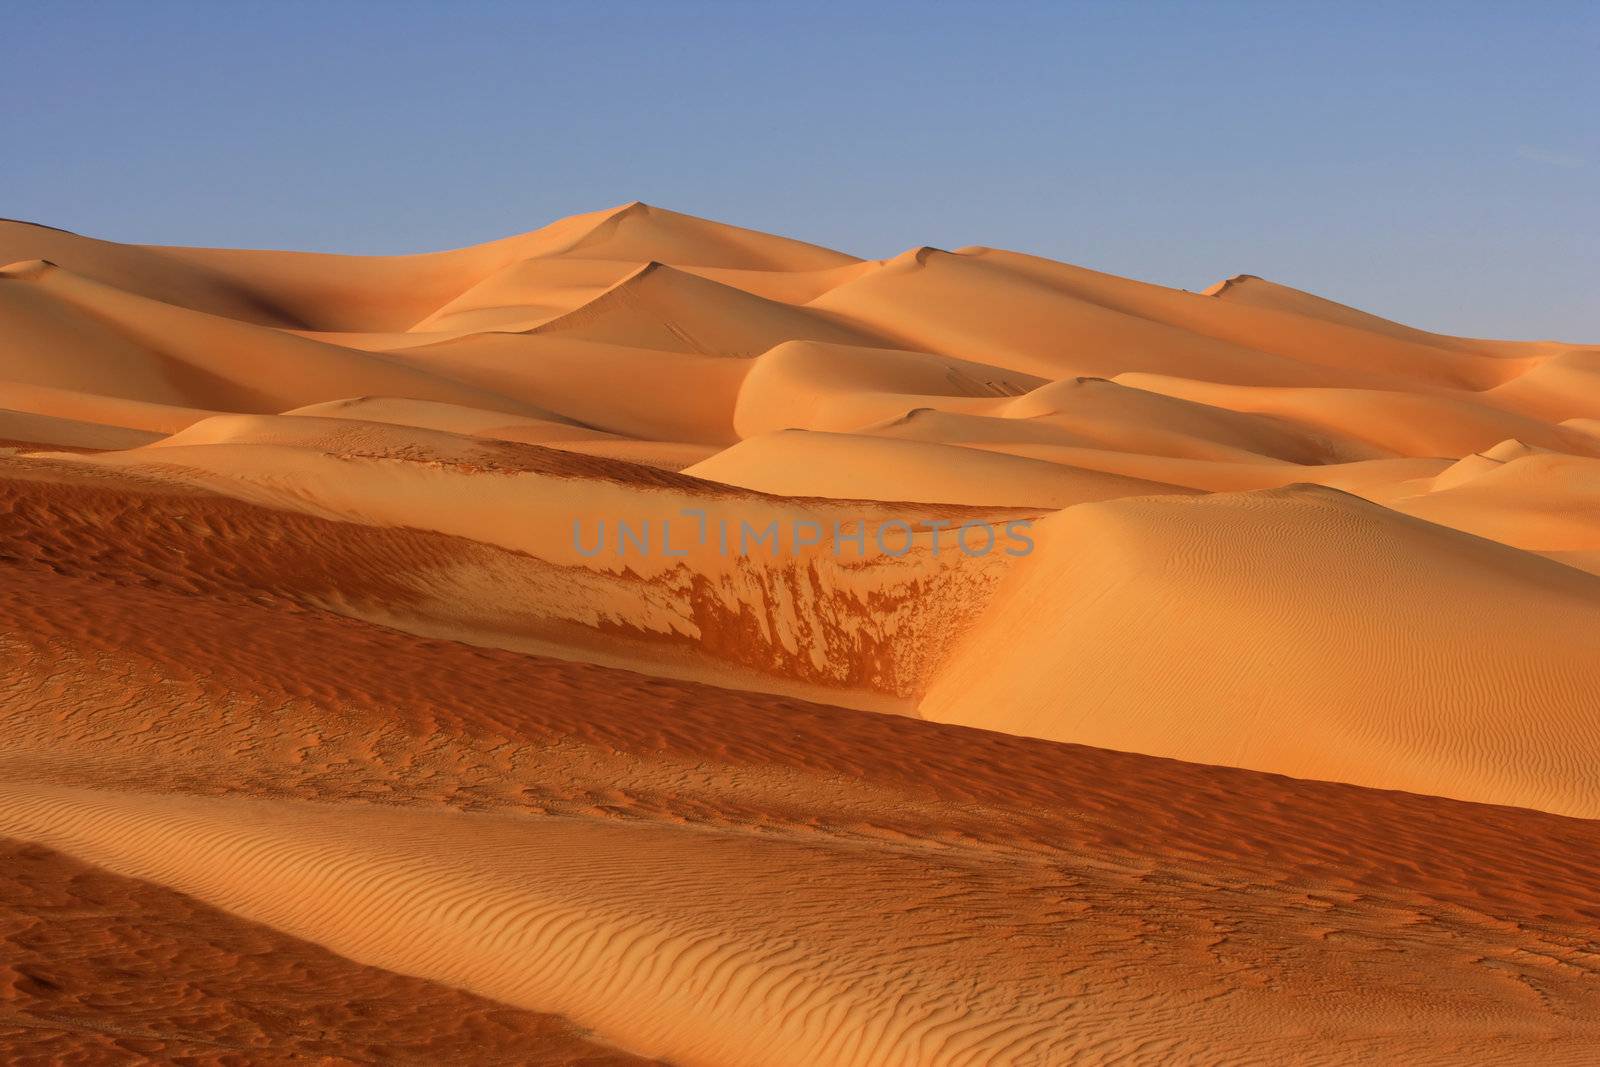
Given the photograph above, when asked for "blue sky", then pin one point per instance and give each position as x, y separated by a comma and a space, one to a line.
1439, 164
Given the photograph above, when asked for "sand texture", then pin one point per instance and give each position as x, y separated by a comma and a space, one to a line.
344, 725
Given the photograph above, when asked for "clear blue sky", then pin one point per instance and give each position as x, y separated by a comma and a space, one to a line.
1435, 163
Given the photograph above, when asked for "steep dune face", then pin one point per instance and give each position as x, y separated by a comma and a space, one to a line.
648, 639
482, 544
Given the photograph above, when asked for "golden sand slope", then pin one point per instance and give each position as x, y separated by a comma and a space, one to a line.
1302, 631
308, 660
102, 969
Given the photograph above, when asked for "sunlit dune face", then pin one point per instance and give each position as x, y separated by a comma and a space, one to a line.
648, 640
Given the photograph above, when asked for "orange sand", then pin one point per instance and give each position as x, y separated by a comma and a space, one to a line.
326, 740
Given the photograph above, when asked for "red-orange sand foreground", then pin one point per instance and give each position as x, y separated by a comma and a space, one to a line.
1265, 730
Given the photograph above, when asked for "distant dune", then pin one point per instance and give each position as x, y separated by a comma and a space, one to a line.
573, 649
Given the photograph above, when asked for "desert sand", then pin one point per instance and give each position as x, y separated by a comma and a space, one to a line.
346, 725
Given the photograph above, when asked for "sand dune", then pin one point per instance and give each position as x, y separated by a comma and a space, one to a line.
813, 386
78, 334
1370, 348
870, 467
1168, 457
396, 292
1542, 501
571, 649
525, 294
607, 386
1299, 631
1406, 424
1258, 292
1136, 419
702, 948
535, 427
1566, 386
151, 272
658, 307
638, 231
979, 302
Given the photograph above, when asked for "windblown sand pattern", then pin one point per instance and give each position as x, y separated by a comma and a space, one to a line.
329, 740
